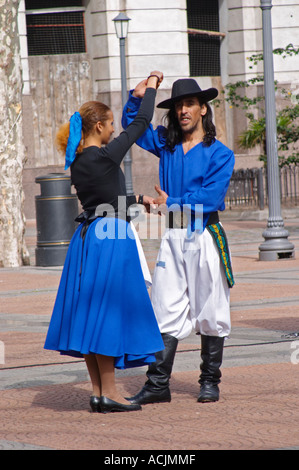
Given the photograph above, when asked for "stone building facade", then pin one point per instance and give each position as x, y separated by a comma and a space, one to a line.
209, 40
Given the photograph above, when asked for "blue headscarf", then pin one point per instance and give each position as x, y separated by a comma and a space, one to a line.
74, 139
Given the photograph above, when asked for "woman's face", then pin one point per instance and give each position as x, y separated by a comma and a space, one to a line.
107, 129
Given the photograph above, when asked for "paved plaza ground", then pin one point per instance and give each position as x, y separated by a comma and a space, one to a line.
44, 397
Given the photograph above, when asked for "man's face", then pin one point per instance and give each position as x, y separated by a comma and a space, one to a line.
189, 114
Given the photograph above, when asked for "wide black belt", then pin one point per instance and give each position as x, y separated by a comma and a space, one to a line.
177, 219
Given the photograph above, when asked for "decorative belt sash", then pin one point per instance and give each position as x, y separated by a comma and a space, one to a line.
218, 233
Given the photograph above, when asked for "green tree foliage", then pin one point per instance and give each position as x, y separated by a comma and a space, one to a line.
238, 96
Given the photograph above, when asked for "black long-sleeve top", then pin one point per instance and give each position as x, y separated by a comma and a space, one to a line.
96, 173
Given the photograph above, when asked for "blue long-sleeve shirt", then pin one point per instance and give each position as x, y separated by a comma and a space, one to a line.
199, 177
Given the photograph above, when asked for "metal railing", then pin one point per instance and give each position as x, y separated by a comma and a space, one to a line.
248, 187
289, 183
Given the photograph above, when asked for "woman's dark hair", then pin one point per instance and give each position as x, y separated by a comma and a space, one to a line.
174, 133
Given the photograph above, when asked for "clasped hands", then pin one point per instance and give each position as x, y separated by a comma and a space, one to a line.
139, 90
158, 204
152, 204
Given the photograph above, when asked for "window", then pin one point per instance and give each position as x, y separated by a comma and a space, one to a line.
204, 37
55, 27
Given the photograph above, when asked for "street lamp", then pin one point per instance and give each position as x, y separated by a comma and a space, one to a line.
121, 23
276, 244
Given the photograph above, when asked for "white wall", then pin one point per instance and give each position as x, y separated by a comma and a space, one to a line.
285, 23
245, 37
157, 39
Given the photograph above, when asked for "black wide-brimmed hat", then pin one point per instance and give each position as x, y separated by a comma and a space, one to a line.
185, 87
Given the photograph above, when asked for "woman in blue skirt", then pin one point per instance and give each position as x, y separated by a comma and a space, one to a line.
102, 310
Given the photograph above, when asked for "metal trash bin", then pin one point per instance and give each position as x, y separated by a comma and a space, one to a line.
56, 210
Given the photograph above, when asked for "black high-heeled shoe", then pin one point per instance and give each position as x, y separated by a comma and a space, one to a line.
95, 404
109, 406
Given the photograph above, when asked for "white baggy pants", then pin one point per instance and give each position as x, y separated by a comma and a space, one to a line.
190, 289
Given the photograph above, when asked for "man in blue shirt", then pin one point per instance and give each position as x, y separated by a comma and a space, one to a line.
193, 275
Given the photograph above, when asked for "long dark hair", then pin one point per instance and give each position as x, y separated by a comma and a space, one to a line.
174, 133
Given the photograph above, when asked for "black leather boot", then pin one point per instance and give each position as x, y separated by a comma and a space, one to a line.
211, 355
156, 388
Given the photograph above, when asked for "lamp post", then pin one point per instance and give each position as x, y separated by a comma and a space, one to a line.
121, 23
276, 244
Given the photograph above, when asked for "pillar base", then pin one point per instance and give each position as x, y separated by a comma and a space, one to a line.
276, 245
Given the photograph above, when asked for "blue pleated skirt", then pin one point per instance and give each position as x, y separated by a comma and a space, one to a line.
102, 304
